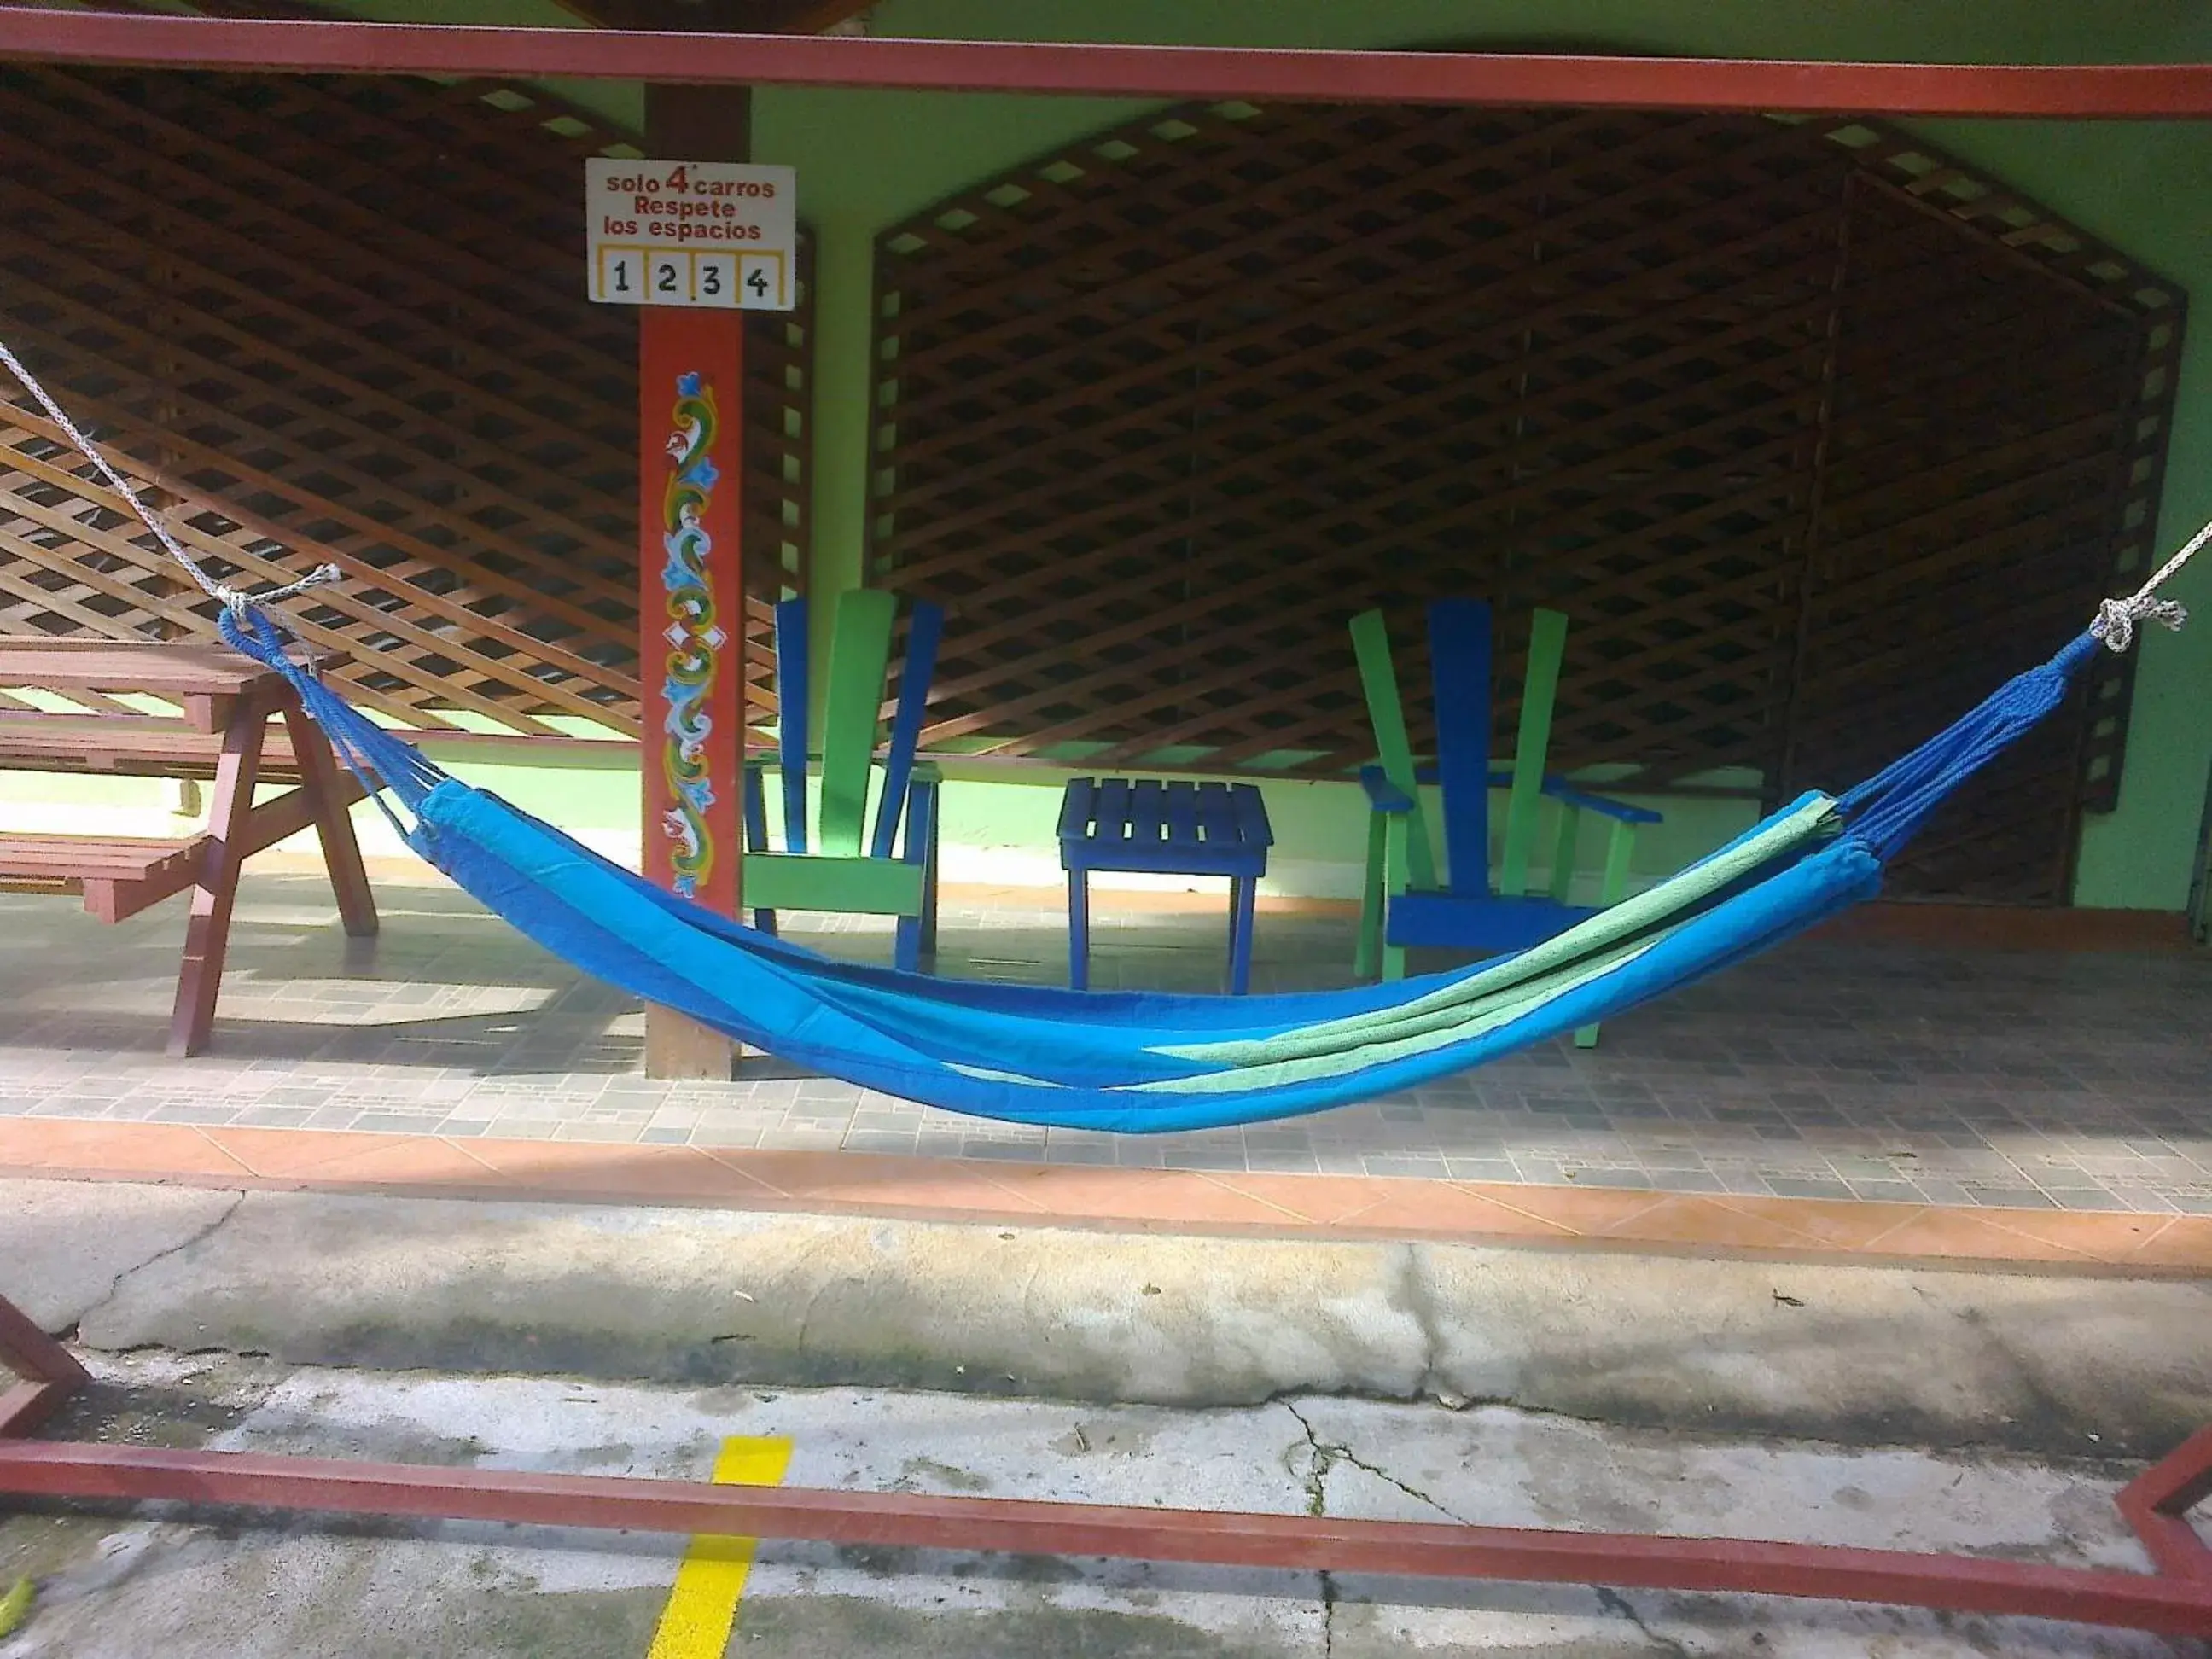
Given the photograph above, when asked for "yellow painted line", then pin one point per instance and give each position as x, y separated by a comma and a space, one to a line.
703, 1608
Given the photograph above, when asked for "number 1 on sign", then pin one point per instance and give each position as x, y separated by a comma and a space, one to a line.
623, 276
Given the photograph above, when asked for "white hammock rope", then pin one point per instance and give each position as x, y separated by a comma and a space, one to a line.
2117, 618
230, 598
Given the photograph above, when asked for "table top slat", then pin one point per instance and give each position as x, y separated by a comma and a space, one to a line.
158, 666
1145, 812
1182, 814
1113, 810
1174, 828
1252, 826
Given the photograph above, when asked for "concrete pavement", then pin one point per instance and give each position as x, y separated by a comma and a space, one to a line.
1987, 1412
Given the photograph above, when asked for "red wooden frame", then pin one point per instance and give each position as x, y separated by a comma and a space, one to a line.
2175, 1600
2097, 91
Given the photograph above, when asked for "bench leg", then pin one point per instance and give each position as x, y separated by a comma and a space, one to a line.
207, 931
1243, 894
1078, 930
318, 776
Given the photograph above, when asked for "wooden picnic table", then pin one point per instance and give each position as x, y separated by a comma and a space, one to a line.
224, 703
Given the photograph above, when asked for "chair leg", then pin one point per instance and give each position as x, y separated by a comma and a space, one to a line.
1243, 894
1394, 841
1563, 854
1078, 930
917, 933
1366, 960
1613, 887
929, 886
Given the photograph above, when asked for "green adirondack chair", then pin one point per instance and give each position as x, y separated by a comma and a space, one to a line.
830, 860
1404, 902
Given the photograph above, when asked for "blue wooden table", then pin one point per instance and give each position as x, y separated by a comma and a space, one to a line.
1151, 827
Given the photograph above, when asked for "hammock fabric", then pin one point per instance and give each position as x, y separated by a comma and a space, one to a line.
1140, 1061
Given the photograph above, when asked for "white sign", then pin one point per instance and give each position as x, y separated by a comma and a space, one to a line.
692, 234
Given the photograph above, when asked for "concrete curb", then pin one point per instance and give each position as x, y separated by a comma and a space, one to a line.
2054, 1363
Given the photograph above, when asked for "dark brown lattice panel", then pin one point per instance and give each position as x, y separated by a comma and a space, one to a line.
1160, 412
343, 318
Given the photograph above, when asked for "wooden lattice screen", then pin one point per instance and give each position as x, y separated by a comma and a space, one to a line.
343, 319
1813, 434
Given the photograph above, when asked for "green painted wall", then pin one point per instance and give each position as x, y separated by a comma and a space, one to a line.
866, 160
869, 158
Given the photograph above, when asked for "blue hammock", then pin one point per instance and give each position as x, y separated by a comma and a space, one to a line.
1143, 1062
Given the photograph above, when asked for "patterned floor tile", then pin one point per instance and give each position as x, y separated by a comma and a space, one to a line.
1880, 1073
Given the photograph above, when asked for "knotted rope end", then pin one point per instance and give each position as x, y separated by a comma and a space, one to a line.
2117, 618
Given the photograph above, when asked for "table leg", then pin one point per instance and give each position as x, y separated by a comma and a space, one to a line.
318, 776
1078, 929
207, 931
1243, 894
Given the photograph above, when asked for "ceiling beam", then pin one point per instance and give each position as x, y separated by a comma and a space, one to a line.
2100, 91
716, 16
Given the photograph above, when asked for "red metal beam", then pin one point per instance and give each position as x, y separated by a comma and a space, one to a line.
2178, 1601
2103, 91
1016, 1526
2157, 1502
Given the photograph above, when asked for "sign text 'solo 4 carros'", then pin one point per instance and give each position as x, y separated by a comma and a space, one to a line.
719, 234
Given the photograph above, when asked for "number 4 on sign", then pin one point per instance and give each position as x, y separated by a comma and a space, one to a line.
763, 279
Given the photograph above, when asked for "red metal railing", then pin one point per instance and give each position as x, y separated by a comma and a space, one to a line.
2175, 1600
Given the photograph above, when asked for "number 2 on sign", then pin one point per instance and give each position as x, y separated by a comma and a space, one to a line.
669, 287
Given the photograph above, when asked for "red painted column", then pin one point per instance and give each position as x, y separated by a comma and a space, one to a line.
692, 599
691, 634
691, 390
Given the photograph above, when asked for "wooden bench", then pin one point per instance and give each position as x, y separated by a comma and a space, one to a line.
220, 731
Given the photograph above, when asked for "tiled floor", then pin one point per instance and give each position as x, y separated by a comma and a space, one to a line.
1835, 1069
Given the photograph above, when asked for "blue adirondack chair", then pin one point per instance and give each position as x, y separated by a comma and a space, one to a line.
822, 866
1405, 904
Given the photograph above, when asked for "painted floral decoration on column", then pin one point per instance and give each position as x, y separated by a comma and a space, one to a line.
695, 637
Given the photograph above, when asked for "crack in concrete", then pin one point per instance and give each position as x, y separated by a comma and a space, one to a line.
1614, 1602
1327, 1454
115, 1285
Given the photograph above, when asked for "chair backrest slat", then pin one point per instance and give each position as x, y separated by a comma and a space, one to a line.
1378, 678
1548, 646
791, 694
925, 627
859, 653
1458, 667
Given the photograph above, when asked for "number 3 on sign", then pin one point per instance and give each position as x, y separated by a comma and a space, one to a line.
714, 280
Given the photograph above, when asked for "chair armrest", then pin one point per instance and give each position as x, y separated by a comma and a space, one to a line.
1382, 795
1567, 795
